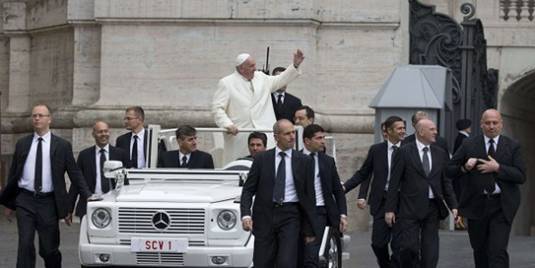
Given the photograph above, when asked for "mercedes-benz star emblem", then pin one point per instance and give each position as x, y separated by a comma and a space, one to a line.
161, 220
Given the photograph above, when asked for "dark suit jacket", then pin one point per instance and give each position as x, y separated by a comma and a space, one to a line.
289, 106
61, 159
123, 142
87, 164
260, 182
198, 159
441, 142
333, 194
376, 164
458, 141
409, 186
512, 173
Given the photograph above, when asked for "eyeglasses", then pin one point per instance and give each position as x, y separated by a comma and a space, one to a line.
39, 115
130, 118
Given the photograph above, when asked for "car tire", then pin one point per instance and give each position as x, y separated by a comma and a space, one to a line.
333, 255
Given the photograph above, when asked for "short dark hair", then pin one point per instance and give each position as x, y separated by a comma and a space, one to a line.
417, 116
311, 130
308, 111
185, 131
278, 70
138, 110
257, 135
389, 122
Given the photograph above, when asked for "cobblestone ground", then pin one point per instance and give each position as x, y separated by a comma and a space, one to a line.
455, 249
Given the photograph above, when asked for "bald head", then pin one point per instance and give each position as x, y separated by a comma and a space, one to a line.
284, 133
426, 131
491, 123
101, 133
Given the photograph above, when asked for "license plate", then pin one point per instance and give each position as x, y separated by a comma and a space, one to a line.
159, 245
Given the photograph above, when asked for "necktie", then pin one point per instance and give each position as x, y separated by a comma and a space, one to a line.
395, 150
425, 161
489, 186
38, 179
492, 150
279, 99
104, 183
134, 152
280, 180
184, 161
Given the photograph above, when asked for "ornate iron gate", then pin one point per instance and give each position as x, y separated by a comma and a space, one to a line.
437, 39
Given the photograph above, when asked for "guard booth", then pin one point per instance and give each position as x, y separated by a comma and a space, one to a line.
412, 88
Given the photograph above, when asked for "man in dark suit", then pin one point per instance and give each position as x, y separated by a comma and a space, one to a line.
256, 143
283, 191
378, 163
91, 161
330, 201
284, 103
304, 116
493, 167
464, 128
36, 190
187, 155
419, 187
135, 141
439, 141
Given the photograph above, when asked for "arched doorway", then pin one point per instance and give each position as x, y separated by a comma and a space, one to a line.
518, 109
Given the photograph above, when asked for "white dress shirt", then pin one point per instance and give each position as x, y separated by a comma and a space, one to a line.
290, 195
28, 172
421, 147
276, 96
98, 185
140, 151
181, 155
320, 201
390, 151
496, 139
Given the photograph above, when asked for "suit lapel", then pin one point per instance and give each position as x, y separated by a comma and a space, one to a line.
53, 147
500, 148
93, 165
482, 147
192, 159
294, 165
271, 168
384, 157
27, 144
435, 166
324, 172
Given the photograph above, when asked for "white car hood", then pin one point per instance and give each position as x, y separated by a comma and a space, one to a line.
201, 192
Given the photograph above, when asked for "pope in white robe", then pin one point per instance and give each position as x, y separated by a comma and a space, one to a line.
243, 100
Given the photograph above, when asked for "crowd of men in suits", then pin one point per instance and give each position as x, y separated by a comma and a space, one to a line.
406, 181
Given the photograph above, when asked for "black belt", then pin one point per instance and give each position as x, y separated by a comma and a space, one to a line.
36, 195
286, 204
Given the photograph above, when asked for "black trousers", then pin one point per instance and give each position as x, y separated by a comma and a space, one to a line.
311, 250
489, 236
382, 236
418, 239
278, 246
37, 214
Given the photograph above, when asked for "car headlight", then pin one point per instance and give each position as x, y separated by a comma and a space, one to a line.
226, 219
101, 218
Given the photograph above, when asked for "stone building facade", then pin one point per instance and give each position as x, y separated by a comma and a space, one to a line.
89, 59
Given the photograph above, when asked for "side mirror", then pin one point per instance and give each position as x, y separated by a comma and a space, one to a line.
112, 168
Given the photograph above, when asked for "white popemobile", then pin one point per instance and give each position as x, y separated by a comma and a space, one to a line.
175, 217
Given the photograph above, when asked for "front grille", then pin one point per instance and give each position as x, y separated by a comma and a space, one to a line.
183, 220
154, 258
191, 243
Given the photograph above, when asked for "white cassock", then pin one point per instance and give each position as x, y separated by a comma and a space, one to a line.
247, 104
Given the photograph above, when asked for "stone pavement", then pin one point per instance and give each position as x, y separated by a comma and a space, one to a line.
455, 249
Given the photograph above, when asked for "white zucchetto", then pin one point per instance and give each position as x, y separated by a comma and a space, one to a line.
242, 58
